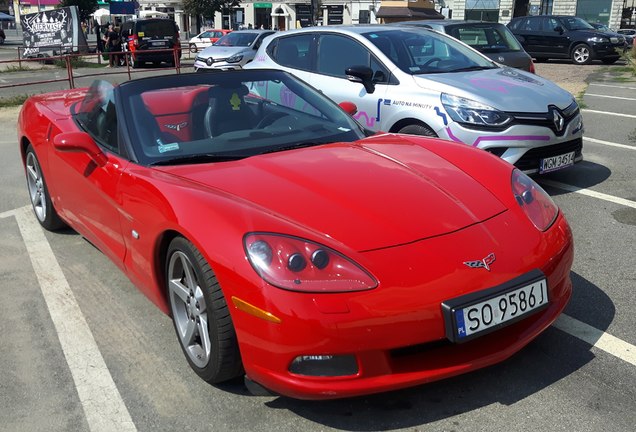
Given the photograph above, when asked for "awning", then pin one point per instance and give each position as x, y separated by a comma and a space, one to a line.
6, 17
405, 12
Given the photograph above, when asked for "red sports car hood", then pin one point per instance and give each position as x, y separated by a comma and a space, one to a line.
378, 192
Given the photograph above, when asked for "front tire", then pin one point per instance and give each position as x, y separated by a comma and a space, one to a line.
200, 314
581, 54
418, 129
39, 194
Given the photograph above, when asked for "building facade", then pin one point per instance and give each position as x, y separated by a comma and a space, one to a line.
608, 12
289, 14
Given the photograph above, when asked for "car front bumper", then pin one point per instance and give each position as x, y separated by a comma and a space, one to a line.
396, 332
522, 145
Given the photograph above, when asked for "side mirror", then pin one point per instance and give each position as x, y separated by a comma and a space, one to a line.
80, 142
349, 107
363, 75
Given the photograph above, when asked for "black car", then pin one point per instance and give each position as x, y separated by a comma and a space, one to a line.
491, 39
561, 37
150, 40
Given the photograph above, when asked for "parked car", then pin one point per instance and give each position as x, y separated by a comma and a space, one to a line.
141, 37
419, 81
560, 37
493, 40
612, 33
205, 39
629, 34
289, 244
232, 51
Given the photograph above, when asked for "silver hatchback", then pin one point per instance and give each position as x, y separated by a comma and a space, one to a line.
419, 81
232, 51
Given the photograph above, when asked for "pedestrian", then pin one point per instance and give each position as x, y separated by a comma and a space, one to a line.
111, 42
100, 41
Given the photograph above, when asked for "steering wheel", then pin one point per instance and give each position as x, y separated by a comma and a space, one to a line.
270, 118
434, 59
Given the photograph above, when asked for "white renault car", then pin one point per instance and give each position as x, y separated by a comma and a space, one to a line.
232, 51
423, 82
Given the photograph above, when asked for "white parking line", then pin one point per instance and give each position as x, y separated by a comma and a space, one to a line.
591, 193
613, 86
609, 143
610, 97
597, 338
10, 213
103, 406
608, 113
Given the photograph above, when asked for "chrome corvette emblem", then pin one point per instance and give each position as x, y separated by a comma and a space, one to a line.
558, 120
484, 263
177, 127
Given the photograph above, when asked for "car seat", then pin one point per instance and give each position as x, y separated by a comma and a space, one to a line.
227, 111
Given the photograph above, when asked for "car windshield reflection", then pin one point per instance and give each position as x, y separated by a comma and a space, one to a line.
216, 117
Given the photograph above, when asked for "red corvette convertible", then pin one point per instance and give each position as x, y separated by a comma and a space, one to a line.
291, 245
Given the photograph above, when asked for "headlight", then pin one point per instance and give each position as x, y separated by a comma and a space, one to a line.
235, 58
468, 111
534, 201
209, 61
598, 39
297, 264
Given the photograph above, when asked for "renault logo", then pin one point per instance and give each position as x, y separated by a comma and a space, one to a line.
558, 120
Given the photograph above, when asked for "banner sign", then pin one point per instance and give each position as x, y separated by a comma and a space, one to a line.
52, 32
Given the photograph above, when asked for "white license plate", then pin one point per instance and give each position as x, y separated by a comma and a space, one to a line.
511, 305
158, 43
556, 162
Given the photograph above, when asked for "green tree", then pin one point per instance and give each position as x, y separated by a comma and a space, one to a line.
207, 8
85, 7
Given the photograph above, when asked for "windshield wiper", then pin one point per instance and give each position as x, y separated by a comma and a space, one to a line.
199, 158
472, 68
295, 146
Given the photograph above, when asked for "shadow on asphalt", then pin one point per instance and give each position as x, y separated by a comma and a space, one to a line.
583, 175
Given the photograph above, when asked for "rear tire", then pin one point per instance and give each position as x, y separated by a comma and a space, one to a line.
581, 54
418, 129
200, 314
39, 194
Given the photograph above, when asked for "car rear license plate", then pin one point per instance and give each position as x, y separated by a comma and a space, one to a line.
158, 43
478, 313
556, 162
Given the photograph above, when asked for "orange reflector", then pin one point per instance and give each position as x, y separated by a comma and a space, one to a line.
253, 310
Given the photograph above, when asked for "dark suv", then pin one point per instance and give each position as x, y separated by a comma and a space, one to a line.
559, 37
142, 35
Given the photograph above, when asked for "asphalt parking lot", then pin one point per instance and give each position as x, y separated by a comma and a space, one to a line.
82, 349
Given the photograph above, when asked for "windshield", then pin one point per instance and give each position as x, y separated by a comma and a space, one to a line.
223, 116
420, 51
237, 39
96, 114
488, 38
158, 28
575, 23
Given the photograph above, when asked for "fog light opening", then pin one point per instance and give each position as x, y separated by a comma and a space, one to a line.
324, 365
